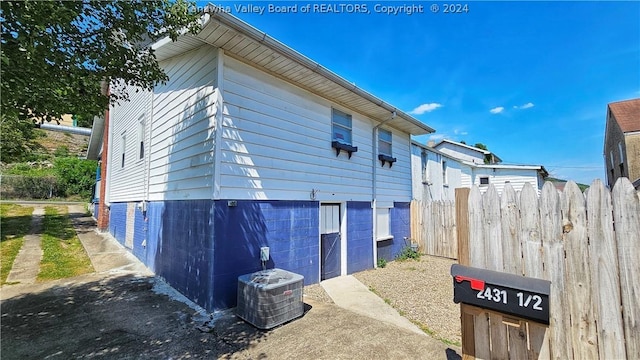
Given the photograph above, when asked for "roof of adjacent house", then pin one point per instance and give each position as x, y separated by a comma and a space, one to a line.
482, 151
539, 168
627, 114
245, 43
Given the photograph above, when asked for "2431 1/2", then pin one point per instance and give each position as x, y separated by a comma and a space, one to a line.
500, 296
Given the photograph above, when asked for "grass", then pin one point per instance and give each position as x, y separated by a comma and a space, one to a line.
63, 253
16, 221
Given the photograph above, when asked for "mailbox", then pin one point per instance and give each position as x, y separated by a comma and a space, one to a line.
506, 293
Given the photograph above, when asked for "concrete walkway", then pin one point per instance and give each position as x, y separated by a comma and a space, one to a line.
105, 253
27, 264
350, 294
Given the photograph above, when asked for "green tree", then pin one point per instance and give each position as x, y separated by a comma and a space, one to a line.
488, 158
17, 139
55, 54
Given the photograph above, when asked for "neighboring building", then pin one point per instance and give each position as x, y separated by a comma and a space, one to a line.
622, 142
467, 153
437, 174
250, 145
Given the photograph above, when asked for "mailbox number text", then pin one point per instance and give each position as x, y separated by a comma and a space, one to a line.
490, 294
498, 295
524, 302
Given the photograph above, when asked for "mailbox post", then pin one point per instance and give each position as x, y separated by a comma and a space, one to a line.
507, 293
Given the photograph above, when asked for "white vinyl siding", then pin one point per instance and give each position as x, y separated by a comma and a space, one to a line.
183, 129
276, 144
433, 188
461, 152
128, 183
394, 183
499, 177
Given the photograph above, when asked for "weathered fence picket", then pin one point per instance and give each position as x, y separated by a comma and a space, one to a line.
433, 227
626, 217
587, 245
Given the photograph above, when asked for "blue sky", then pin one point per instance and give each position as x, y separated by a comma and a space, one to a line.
531, 80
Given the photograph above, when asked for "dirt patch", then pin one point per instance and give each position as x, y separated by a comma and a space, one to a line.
422, 291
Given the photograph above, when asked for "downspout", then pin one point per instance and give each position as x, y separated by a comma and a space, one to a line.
374, 180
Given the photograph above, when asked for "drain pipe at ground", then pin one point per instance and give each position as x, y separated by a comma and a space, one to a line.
374, 180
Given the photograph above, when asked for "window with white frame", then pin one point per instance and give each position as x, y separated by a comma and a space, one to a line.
383, 224
123, 149
424, 157
141, 137
444, 173
341, 127
484, 181
621, 153
384, 142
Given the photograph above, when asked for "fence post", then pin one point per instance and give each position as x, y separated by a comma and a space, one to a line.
462, 224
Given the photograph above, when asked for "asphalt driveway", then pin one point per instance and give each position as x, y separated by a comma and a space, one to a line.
121, 312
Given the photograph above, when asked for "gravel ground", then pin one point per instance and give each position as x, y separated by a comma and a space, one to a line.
421, 290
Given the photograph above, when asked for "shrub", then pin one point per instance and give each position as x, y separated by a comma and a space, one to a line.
382, 263
76, 176
30, 187
408, 253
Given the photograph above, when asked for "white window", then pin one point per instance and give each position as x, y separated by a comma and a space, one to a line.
123, 149
444, 173
611, 159
384, 142
424, 157
621, 153
141, 138
341, 127
383, 224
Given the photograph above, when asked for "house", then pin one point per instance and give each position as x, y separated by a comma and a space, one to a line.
467, 153
622, 142
250, 145
438, 169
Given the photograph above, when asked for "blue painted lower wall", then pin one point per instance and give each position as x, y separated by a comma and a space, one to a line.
288, 228
400, 216
118, 221
200, 247
400, 227
359, 236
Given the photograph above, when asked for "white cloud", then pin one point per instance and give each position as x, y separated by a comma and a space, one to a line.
460, 132
425, 108
497, 110
528, 105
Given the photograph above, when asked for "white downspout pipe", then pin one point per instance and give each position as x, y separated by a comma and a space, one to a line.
374, 180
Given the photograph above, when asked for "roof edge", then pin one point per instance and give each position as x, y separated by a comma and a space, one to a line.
262, 37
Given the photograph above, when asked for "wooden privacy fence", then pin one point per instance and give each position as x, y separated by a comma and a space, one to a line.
587, 245
433, 227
